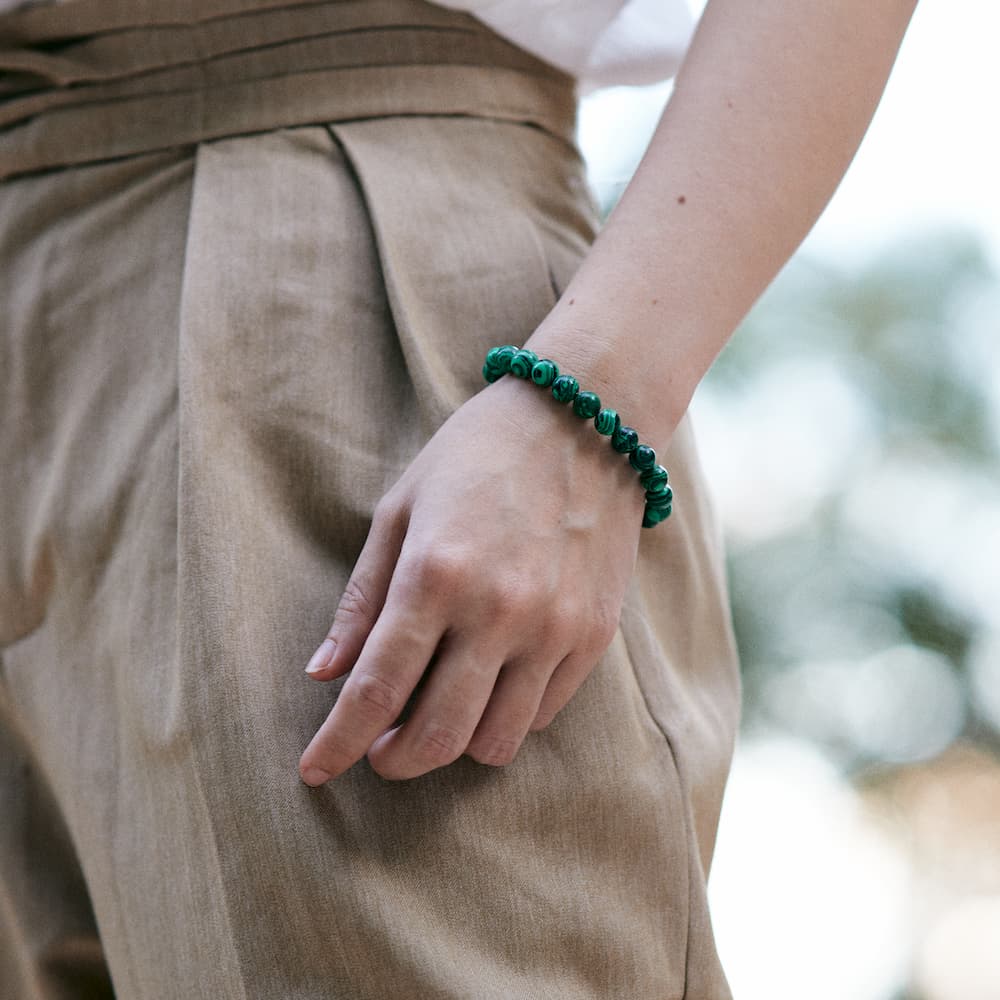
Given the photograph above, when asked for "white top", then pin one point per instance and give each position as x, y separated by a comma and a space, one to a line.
600, 42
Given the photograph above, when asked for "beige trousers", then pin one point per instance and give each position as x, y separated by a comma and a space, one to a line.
251, 257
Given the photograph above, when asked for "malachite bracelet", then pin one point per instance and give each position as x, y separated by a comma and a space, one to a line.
566, 389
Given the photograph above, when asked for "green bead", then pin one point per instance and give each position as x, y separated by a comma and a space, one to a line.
492, 357
625, 439
652, 516
607, 421
565, 388
501, 357
642, 458
544, 372
662, 498
586, 404
522, 363
654, 479
491, 374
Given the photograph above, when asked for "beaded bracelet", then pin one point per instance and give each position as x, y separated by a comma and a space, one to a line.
566, 389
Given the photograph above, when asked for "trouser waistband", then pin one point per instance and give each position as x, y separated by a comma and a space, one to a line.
90, 80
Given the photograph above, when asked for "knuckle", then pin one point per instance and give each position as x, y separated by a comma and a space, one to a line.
509, 601
378, 696
438, 571
506, 607
386, 508
494, 750
355, 604
439, 744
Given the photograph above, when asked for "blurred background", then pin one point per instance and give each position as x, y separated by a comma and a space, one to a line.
851, 433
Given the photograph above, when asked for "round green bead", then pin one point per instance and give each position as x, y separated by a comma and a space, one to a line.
607, 421
652, 516
491, 374
625, 439
586, 404
544, 372
493, 357
661, 498
522, 362
642, 458
654, 479
501, 357
565, 388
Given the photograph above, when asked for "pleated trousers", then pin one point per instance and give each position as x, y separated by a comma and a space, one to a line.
252, 254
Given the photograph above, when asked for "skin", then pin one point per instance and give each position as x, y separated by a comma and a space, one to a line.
513, 591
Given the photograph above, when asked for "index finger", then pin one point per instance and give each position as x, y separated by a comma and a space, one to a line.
394, 657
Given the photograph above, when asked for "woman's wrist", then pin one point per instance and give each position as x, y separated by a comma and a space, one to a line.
564, 387
622, 370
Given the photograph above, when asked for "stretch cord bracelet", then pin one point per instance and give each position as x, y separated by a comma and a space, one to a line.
566, 389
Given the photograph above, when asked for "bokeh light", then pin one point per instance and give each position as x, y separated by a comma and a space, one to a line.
851, 436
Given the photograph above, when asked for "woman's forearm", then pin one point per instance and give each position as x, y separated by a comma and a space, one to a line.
768, 110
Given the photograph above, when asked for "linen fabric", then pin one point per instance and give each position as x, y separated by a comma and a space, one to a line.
222, 339
601, 42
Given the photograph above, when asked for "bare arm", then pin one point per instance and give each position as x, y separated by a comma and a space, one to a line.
768, 110
513, 580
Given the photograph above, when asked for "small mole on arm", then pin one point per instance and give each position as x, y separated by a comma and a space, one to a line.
681, 199
729, 104
655, 301
571, 301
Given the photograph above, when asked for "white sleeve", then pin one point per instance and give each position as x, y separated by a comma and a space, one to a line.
601, 42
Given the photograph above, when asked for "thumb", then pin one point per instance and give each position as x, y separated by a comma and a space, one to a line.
363, 597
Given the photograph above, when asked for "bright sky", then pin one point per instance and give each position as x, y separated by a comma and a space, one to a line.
932, 154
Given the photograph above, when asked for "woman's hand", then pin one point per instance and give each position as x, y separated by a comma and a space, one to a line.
502, 554
504, 551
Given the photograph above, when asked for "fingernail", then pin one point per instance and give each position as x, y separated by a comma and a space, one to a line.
322, 657
315, 776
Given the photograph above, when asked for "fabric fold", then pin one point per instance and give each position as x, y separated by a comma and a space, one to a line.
198, 72
439, 296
